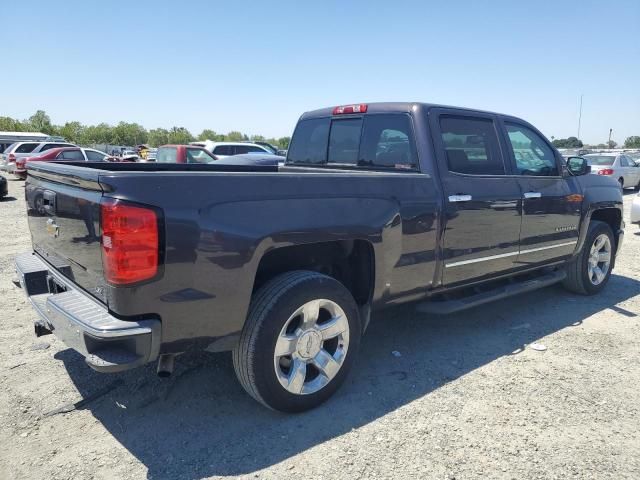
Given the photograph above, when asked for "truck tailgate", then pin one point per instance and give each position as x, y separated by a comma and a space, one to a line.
64, 219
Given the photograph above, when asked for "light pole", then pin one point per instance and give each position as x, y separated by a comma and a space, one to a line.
609, 142
580, 116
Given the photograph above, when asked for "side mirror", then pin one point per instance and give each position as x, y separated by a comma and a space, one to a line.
578, 166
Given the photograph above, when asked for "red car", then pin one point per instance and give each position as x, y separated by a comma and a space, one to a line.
69, 154
184, 154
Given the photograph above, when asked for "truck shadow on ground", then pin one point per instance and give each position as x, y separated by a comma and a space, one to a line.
200, 423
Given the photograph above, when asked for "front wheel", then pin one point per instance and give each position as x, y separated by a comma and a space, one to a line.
299, 341
590, 271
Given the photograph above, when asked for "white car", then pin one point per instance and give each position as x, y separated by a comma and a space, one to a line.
26, 149
228, 149
616, 165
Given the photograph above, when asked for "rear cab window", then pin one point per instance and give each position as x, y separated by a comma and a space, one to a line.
373, 141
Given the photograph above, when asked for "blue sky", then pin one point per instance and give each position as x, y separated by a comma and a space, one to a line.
256, 66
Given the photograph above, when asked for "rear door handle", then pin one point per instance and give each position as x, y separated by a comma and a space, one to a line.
533, 195
459, 198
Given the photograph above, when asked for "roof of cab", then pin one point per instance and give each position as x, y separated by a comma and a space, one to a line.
391, 107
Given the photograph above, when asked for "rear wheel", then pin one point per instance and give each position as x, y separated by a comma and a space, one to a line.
621, 182
299, 342
590, 271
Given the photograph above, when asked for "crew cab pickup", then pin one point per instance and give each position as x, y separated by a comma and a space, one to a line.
376, 205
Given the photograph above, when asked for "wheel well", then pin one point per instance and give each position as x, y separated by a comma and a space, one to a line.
348, 261
610, 216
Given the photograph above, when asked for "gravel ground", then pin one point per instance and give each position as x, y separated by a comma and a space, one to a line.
465, 396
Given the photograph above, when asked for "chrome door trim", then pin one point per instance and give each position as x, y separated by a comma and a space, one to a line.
548, 247
460, 198
510, 254
533, 195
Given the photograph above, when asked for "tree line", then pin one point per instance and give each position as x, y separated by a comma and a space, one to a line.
134, 134
573, 142
124, 133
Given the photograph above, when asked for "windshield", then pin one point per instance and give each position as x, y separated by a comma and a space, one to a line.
600, 160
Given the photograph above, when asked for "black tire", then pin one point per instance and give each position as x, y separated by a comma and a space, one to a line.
621, 182
578, 280
271, 307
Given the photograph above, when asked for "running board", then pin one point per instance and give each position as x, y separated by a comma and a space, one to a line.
446, 307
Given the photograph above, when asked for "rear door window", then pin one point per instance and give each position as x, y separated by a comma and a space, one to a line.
471, 145
167, 155
26, 148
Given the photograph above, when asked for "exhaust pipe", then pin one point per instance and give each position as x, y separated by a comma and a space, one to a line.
165, 365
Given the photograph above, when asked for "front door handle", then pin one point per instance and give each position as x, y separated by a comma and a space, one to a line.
459, 198
533, 195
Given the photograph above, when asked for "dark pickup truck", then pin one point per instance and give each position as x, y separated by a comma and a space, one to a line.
376, 205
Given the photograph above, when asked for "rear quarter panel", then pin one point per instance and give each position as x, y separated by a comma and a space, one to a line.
219, 226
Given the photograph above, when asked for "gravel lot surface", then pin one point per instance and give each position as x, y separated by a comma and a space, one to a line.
462, 397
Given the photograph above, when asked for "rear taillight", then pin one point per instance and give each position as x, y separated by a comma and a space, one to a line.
130, 242
347, 109
605, 171
11, 157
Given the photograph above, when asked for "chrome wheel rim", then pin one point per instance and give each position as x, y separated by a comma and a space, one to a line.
599, 259
311, 347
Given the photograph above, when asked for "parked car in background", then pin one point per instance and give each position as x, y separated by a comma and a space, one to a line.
68, 154
184, 154
228, 149
272, 149
619, 166
9, 138
253, 159
26, 149
129, 156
